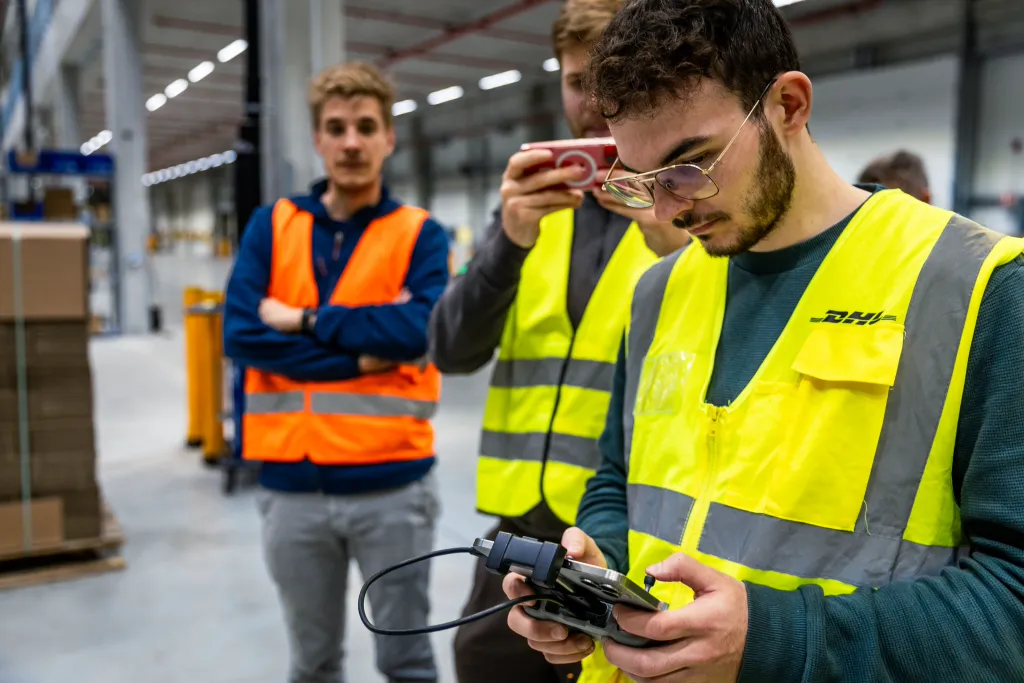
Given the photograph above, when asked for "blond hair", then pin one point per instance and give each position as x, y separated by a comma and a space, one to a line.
351, 79
581, 22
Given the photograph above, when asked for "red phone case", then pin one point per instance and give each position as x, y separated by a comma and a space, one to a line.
595, 154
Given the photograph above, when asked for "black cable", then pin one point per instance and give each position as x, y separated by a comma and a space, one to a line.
437, 627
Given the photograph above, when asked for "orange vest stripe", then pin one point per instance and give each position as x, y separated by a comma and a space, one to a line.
375, 418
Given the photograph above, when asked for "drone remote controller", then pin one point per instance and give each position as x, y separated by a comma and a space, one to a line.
582, 595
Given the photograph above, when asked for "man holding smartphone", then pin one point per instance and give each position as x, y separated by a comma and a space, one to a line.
549, 288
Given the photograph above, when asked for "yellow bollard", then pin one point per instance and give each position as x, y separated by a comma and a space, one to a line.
193, 330
213, 386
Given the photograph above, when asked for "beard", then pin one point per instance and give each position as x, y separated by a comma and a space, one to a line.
765, 203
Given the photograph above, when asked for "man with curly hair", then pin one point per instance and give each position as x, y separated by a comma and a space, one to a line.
814, 444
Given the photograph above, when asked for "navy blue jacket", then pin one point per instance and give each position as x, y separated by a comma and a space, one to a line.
394, 331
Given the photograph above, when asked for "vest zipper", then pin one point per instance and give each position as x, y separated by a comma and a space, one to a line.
551, 423
695, 523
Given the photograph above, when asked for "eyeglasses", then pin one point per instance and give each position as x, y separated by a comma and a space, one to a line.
686, 181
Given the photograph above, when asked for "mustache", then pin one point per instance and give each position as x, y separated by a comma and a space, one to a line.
688, 220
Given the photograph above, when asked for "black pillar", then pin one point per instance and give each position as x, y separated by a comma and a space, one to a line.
968, 113
26, 77
422, 163
248, 176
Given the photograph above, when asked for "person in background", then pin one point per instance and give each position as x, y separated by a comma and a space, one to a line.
901, 170
327, 308
548, 288
814, 445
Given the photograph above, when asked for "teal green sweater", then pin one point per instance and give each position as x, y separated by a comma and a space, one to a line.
965, 625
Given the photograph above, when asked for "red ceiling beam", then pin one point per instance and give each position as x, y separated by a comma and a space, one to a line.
373, 49
433, 24
851, 8
176, 51
459, 30
212, 28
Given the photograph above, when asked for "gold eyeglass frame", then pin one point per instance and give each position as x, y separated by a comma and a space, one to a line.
651, 176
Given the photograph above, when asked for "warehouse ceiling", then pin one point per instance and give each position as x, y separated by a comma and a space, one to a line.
431, 46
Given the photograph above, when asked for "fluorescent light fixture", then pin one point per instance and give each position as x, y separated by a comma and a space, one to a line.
200, 72
176, 88
87, 148
187, 168
498, 80
104, 137
551, 64
445, 95
783, 3
156, 101
403, 107
232, 50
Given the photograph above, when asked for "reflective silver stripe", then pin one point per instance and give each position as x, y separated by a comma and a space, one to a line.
574, 450
519, 373
371, 405
813, 552
646, 307
508, 446
935, 323
570, 450
590, 374
658, 512
269, 404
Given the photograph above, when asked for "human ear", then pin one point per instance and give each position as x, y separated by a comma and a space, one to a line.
793, 96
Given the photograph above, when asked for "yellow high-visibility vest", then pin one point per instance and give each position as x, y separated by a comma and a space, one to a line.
550, 387
832, 467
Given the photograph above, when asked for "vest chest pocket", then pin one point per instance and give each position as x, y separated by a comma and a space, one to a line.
835, 415
663, 383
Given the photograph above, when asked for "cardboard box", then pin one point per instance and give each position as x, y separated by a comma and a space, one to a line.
62, 457
83, 514
51, 393
59, 204
54, 273
48, 346
52, 474
47, 525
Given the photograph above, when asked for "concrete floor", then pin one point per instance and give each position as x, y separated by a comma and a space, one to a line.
195, 602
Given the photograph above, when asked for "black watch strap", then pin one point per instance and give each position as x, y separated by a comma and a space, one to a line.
307, 313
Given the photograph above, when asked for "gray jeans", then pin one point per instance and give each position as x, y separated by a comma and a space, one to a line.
308, 541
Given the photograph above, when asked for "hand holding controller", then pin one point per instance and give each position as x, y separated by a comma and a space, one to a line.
587, 591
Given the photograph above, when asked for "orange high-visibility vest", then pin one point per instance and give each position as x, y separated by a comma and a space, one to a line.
374, 418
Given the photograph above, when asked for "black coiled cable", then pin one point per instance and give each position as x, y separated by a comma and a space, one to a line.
508, 604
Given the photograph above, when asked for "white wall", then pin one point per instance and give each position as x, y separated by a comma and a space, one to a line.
863, 115
998, 169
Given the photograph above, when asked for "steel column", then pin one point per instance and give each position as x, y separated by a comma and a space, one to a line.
126, 119
968, 112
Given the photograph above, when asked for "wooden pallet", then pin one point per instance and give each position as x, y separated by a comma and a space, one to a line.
66, 560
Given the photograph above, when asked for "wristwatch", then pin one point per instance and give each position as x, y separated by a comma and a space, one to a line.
308, 320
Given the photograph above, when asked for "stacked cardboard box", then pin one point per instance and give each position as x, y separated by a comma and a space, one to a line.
55, 413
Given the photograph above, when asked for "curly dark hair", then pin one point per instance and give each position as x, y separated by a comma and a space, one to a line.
655, 50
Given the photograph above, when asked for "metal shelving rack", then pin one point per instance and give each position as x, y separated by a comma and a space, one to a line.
96, 173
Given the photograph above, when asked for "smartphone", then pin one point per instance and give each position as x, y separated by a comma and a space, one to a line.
596, 155
609, 586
